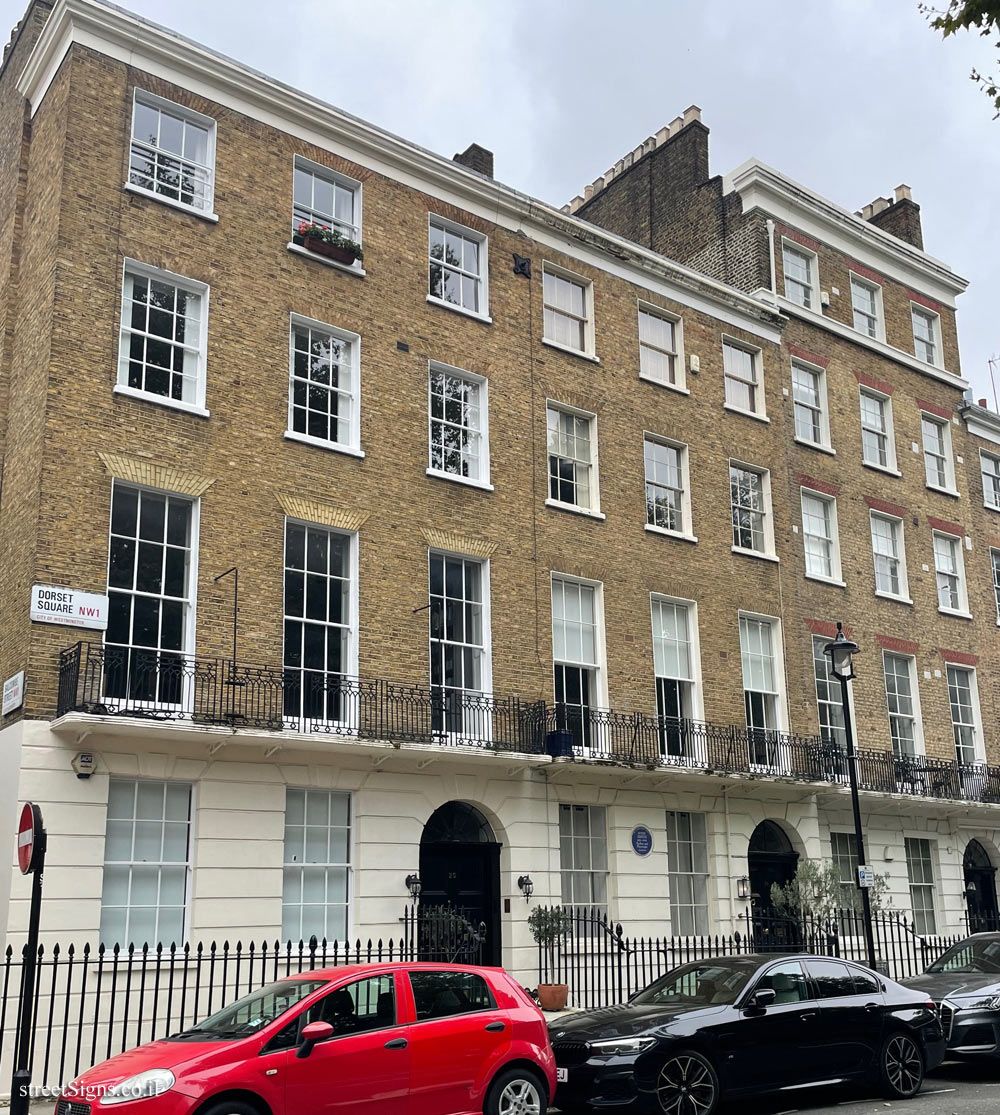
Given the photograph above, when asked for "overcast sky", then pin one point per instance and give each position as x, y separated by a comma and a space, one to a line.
848, 97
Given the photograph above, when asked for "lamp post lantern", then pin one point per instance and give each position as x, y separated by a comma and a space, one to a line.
842, 652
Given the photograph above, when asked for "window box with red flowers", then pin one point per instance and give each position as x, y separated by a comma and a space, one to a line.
328, 242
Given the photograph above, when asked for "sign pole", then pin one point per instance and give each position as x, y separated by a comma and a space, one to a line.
31, 839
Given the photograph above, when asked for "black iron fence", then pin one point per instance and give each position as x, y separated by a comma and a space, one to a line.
123, 681
602, 965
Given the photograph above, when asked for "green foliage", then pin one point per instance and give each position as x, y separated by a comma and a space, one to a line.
817, 890
967, 15
548, 924
331, 236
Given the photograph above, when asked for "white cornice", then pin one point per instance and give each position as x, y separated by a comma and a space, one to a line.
119, 34
762, 187
821, 321
982, 422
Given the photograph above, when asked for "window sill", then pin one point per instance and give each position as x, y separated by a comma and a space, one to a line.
159, 400
891, 596
755, 554
991, 506
464, 480
212, 218
746, 413
679, 535
484, 318
669, 386
574, 510
881, 468
571, 351
955, 612
816, 445
357, 272
318, 443
954, 493
825, 580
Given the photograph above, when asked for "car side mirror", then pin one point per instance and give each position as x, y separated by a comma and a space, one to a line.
763, 998
311, 1034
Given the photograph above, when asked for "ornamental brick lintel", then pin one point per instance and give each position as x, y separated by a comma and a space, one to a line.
154, 474
946, 527
459, 543
933, 408
809, 357
902, 646
885, 506
879, 385
923, 300
826, 486
825, 628
324, 514
863, 272
798, 237
959, 656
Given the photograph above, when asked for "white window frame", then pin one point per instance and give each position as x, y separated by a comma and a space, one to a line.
780, 695
834, 704
594, 510
353, 619
983, 458
483, 278
813, 298
190, 619
600, 668
836, 575
161, 863
588, 350
700, 908
768, 553
978, 738
890, 465
483, 480
694, 649
566, 870
844, 854
310, 166
963, 587
326, 865
949, 487
934, 319
687, 533
353, 447
931, 887
876, 289
679, 369
823, 408
191, 286
918, 722
162, 104
899, 539
995, 569
757, 360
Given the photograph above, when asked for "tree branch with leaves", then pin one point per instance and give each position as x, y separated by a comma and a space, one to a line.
982, 16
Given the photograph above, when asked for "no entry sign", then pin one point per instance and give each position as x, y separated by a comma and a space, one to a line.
29, 838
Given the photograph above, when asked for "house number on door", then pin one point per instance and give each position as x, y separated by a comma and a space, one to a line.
452, 874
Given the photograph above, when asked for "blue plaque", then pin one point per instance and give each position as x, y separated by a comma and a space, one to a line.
642, 840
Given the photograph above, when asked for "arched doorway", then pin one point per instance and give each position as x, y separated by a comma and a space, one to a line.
980, 889
770, 859
460, 868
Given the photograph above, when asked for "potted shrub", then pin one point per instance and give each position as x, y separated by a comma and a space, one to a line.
328, 242
548, 924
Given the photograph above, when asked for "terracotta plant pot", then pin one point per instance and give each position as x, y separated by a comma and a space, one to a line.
553, 996
330, 251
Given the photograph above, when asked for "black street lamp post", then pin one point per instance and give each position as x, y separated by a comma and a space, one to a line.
841, 652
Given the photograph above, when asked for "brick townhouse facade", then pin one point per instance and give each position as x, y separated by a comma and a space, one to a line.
539, 520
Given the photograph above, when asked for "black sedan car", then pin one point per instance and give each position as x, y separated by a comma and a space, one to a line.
740, 1025
965, 983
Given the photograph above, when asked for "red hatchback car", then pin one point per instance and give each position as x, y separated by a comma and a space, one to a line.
372, 1039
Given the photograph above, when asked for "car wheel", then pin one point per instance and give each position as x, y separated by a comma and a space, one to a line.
901, 1066
687, 1084
516, 1092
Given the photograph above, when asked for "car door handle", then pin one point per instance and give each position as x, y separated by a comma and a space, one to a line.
871, 1007
495, 1027
396, 1043
806, 1015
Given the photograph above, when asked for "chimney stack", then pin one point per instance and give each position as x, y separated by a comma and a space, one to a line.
476, 158
900, 216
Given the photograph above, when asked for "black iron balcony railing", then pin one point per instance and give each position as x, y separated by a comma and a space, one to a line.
119, 681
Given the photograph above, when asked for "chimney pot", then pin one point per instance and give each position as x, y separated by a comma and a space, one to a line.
588, 193
903, 192
476, 158
691, 113
982, 403
661, 136
879, 205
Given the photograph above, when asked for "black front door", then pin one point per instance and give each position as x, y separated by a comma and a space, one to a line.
466, 879
980, 889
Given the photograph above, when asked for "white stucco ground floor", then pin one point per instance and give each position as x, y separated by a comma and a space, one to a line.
207, 834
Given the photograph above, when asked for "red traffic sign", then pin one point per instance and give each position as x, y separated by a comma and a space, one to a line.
29, 838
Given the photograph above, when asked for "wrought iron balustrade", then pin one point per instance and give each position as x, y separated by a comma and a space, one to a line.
122, 681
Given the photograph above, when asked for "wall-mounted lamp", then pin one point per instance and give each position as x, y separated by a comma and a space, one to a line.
970, 887
526, 886
414, 886
743, 888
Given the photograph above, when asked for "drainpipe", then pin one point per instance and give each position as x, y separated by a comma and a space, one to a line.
770, 247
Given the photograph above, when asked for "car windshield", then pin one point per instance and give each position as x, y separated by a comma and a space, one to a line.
254, 1011
703, 984
973, 955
